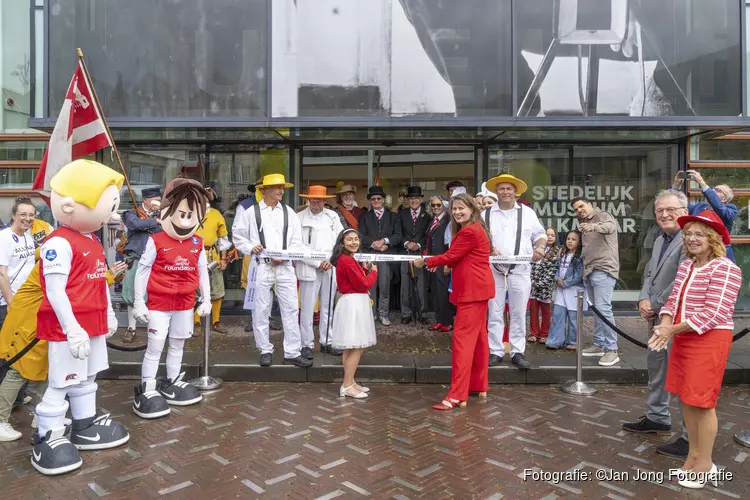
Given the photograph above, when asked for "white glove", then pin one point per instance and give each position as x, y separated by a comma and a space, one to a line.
111, 325
204, 309
78, 342
140, 313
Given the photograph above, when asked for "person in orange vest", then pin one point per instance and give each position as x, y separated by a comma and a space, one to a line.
172, 268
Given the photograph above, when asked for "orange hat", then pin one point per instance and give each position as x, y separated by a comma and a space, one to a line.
317, 192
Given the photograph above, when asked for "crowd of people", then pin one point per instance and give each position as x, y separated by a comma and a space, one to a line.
301, 260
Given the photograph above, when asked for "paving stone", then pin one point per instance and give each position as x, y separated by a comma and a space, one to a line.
391, 445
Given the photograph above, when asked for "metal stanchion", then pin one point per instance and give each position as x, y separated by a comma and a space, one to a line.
743, 438
206, 382
579, 387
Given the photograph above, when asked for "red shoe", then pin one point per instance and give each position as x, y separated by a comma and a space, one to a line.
436, 327
449, 404
446, 328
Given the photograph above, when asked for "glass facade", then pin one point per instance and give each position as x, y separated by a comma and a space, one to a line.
226, 91
402, 58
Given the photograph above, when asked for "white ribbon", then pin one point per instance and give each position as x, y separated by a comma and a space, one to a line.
252, 287
371, 257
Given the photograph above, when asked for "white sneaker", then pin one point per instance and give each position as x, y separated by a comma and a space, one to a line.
8, 433
385, 321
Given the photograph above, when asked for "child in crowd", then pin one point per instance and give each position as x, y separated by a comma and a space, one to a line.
569, 279
542, 285
353, 322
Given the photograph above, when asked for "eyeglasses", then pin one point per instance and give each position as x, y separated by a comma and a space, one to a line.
690, 234
669, 210
436, 205
376, 198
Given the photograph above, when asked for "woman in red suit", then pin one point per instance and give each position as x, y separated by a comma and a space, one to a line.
473, 287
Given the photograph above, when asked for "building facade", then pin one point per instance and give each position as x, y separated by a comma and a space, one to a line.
606, 98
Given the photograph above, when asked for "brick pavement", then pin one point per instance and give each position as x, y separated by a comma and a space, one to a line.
302, 441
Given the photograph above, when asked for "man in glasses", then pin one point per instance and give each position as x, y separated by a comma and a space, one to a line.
657, 285
414, 223
380, 232
718, 199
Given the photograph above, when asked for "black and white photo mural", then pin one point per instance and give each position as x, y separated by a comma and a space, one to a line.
468, 58
401, 58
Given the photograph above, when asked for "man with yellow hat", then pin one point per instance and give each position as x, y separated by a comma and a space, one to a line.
515, 230
272, 225
75, 317
320, 228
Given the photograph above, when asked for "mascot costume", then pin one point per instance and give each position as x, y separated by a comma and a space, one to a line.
75, 317
172, 268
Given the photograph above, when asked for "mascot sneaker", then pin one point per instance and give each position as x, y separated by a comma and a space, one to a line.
179, 393
148, 403
54, 454
98, 433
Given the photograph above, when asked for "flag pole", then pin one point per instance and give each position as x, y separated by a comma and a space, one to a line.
109, 132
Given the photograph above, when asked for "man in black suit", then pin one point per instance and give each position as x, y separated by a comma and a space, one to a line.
380, 232
440, 277
414, 223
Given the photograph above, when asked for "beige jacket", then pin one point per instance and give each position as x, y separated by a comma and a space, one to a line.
600, 246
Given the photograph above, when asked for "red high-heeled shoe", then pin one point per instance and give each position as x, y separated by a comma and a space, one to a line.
445, 329
451, 404
436, 327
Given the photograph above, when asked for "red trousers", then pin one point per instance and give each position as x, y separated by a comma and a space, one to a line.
534, 307
471, 351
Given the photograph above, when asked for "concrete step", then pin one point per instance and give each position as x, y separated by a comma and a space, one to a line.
407, 368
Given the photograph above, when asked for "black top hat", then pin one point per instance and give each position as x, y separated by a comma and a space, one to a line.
375, 191
414, 192
151, 192
454, 184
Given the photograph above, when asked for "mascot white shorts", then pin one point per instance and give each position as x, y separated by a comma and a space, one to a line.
176, 324
65, 370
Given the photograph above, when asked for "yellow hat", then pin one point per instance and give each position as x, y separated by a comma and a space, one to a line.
85, 181
274, 180
521, 186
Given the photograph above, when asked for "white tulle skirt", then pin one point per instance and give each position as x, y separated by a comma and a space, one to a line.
353, 323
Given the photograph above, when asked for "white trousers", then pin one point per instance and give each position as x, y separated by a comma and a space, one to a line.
518, 287
285, 281
323, 287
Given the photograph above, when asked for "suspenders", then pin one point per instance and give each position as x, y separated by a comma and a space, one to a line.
259, 225
519, 229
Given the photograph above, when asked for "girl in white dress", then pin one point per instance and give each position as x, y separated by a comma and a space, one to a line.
353, 322
569, 280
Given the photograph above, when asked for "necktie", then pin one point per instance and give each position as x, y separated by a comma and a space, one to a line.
379, 214
413, 216
434, 224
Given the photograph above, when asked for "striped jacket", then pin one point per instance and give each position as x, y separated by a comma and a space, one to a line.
710, 297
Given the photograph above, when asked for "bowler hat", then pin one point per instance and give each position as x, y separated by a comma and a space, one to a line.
454, 184
375, 191
414, 192
154, 192
709, 218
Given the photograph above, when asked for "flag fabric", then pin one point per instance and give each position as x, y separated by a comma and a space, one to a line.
79, 131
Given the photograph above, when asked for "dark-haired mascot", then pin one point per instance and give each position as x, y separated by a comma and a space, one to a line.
173, 266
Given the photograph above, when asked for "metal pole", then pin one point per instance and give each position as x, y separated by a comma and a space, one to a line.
206, 382
743, 438
579, 387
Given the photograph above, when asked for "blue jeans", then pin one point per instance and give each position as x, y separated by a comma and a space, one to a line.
600, 286
557, 337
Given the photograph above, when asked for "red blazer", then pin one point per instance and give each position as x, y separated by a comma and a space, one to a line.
469, 258
351, 278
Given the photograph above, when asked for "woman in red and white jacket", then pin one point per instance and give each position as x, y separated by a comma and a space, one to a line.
697, 318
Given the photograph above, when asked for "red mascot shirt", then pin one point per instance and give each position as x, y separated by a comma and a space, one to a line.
87, 283
174, 274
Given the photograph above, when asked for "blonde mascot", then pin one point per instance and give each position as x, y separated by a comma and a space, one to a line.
173, 266
75, 317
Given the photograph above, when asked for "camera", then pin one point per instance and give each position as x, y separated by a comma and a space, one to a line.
684, 175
